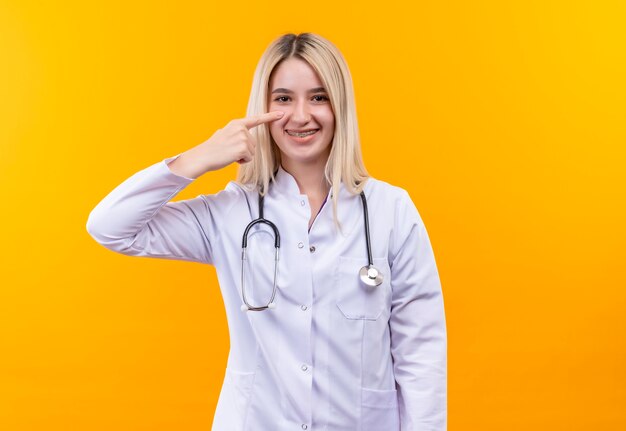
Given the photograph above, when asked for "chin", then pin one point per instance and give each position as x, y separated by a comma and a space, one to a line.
304, 156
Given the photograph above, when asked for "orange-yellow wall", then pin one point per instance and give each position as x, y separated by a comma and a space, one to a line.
505, 120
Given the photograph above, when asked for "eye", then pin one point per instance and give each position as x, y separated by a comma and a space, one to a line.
323, 98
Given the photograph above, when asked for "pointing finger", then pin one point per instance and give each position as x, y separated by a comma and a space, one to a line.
256, 120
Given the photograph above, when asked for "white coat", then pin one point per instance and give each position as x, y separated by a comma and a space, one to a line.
333, 355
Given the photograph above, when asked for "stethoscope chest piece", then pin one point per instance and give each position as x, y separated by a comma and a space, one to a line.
371, 276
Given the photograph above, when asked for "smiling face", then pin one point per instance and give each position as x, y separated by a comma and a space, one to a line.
295, 89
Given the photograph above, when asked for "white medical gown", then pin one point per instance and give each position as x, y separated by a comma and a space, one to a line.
334, 354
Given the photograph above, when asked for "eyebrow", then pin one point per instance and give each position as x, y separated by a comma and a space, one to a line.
312, 90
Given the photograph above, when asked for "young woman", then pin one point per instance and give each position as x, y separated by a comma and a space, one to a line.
343, 324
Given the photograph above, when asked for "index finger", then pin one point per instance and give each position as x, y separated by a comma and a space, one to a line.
256, 120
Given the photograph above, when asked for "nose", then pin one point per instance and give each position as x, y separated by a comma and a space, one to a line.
300, 113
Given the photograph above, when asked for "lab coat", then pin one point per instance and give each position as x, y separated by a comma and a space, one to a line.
334, 354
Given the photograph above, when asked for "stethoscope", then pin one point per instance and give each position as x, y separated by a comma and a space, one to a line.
368, 274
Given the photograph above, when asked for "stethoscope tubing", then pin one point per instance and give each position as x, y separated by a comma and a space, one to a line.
368, 274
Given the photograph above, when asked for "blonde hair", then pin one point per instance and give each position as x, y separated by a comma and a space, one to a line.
345, 161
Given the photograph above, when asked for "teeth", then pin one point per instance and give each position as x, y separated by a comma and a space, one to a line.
301, 135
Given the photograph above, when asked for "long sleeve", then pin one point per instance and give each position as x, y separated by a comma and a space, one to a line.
138, 219
417, 324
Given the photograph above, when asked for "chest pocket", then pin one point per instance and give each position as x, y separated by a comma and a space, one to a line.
355, 299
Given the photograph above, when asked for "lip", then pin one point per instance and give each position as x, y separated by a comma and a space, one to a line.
304, 139
299, 131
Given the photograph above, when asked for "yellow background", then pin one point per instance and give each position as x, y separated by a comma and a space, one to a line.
505, 120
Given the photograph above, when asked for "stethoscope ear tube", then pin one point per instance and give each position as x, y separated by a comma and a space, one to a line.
244, 242
244, 245
246, 306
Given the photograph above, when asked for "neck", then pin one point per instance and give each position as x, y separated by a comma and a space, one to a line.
310, 177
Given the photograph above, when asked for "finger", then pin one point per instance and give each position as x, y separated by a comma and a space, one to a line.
251, 143
256, 120
245, 159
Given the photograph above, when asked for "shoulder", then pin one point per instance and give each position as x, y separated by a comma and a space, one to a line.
388, 193
396, 202
378, 186
222, 201
232, 191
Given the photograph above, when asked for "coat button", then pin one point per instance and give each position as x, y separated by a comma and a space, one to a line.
304, 426
312, 248
302, 203
304, 307
300, 245
304, 368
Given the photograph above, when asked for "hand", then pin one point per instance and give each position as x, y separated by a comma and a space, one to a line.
233, 143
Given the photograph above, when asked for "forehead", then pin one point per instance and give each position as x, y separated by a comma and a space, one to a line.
294, 74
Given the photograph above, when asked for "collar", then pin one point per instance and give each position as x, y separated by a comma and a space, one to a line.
349, 211
287, 184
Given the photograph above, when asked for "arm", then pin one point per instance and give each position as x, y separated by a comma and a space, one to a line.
417, 325
137, 219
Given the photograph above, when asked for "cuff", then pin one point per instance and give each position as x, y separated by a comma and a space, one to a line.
175, 177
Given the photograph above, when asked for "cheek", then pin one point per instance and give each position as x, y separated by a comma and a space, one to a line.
329, 121
326, 115
276, 129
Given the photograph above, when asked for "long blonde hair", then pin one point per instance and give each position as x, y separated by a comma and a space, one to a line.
345, 161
